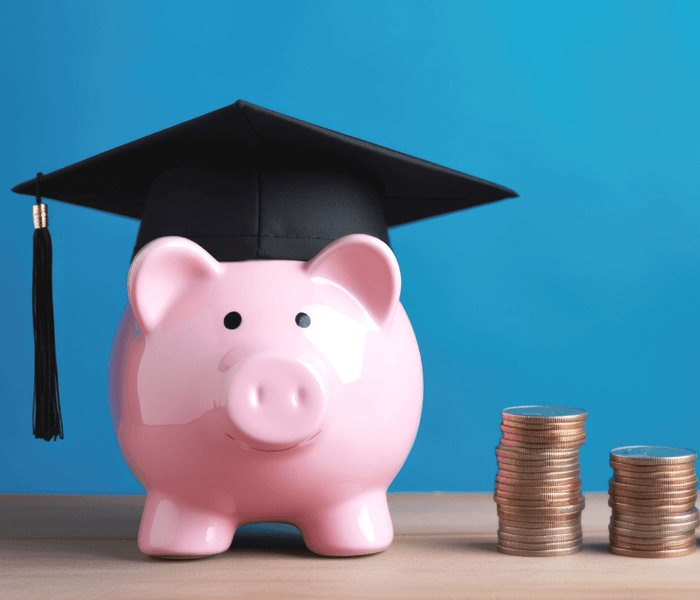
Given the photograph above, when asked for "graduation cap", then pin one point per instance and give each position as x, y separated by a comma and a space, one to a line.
244, 183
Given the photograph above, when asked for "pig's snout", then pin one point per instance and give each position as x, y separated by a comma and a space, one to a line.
275, 403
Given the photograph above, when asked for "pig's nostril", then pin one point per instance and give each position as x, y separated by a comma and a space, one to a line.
256, 396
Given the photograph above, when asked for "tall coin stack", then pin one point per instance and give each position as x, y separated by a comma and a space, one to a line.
652, 494
538, 490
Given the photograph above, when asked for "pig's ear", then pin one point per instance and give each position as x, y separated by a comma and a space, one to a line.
168, 279
365, 267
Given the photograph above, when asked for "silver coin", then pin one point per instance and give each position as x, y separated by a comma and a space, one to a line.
644, 455
538, 411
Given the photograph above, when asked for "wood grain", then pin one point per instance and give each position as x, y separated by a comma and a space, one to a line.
84, 547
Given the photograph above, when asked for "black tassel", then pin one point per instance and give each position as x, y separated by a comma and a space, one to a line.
47, 422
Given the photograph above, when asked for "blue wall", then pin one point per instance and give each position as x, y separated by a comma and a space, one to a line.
585, 291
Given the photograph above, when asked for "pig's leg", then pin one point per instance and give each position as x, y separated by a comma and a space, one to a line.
359, 525
172, 529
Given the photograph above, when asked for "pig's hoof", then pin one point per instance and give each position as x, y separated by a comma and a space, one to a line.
185, 548
338, 548
176, 556
176, 531
355, 529
187, 545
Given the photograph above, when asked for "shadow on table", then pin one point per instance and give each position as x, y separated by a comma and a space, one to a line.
278, 538
597, 547
263, 538
454, 542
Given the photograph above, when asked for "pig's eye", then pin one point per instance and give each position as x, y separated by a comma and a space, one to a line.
303, 320
232, 320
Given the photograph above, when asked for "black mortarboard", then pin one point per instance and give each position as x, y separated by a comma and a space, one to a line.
245, 183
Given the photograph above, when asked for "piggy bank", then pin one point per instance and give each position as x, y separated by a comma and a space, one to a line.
265, 390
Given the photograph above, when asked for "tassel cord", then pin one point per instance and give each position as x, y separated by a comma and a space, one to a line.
46, 413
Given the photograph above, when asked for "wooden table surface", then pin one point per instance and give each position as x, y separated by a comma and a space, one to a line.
77, 547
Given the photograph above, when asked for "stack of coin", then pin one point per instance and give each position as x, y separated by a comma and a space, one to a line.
538, 491
652, 494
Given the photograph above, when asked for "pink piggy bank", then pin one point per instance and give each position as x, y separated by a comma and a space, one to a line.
265, 390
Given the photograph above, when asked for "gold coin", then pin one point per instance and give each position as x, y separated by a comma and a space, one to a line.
535, 443
540, 522
535, 498
653, 498
536, 461
538, 498
546, 538
514, 508
536, 486
508, 429
516, 484
647, 480
541, 553
543, 414
535, 467
514, 511
544, 438
539, 546
549, 520
651, 553
652, 470
666, 534
538, 442
509, 504
652, 455
530, 444
653, 529
513, 479
526, 473
572, 523
542, 426
521, 443
539, 504
651, 494
534, 478
530, 519
529, 473
624, 507
655, 502
691, 480
692, 516
649, 491
633, 543
538, 465
570, 488
564, 530
651, 538
537, 454
539, 483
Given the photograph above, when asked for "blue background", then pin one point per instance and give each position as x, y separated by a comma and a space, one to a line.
584, 291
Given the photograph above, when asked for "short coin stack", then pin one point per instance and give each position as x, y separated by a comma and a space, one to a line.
538, 490
652, 494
